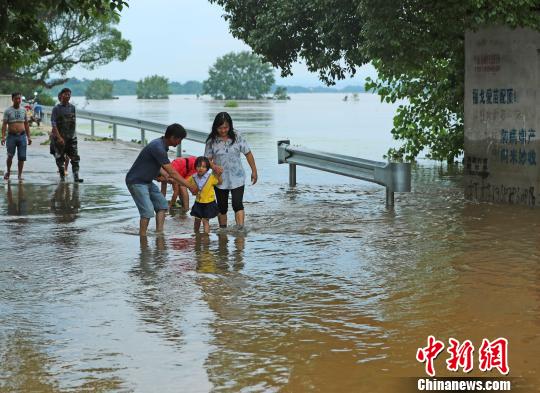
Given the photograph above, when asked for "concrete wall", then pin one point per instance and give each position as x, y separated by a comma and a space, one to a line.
502, 130
5, 101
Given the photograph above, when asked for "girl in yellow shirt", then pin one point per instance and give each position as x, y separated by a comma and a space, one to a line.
205, 206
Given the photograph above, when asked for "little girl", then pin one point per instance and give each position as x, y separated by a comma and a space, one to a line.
205, 206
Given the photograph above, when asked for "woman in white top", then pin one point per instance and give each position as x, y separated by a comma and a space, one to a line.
224, 147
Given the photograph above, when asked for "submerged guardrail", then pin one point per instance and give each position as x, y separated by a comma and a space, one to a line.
143, 125
396, 177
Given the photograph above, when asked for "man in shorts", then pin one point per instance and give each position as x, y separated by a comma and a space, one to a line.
151, 162
16, 123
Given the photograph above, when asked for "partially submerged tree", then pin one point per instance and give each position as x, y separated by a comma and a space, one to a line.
153, 87
281, 93
63, 34
416, 46
99, 89
239, 76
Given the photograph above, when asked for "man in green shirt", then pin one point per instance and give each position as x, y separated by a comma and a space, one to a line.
63, 121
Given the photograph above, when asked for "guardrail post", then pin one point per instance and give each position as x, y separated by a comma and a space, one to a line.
143, 138
389, 197
114, 131
92, 128
292, 175
179, 150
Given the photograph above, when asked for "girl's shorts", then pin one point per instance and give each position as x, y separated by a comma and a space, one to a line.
205, 210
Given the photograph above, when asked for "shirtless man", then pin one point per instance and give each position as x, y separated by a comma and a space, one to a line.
16, 123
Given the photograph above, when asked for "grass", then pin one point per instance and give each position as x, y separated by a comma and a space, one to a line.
37, 133
231, 104
98, 139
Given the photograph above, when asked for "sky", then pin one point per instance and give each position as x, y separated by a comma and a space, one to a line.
181, 40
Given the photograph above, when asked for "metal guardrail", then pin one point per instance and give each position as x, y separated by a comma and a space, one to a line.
396, 177
143, 125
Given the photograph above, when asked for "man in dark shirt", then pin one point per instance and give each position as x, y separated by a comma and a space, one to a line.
151, 162
64, 136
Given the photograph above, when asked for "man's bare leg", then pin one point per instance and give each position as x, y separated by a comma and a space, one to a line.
20, 167
8, 165
160, 221
143, 226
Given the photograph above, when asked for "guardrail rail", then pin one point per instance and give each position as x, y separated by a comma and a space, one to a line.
143, 125
396, 177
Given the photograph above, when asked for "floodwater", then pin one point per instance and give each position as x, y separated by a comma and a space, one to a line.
327, 291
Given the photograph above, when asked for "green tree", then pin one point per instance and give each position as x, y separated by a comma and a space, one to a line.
416, 46
153, 87
239, 76
281, 93
90, 44
99, 89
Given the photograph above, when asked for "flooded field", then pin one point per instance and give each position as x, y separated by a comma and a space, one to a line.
327, 291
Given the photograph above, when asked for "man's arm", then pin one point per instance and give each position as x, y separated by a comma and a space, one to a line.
54, 130
177, 178
4, 126
27, 129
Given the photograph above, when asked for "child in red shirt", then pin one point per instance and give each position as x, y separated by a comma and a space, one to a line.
185, 166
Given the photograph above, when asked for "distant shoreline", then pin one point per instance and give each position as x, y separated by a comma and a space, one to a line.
124, 87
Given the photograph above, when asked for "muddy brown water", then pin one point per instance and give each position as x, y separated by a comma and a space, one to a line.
327, 291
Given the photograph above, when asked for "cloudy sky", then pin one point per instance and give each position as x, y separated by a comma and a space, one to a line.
181, 39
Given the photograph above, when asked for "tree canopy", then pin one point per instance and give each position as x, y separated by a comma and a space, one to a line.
99, 89
281, 93
239, 76
153, 87
52, 36
416, 46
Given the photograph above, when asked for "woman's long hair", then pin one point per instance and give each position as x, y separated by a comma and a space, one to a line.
222, 117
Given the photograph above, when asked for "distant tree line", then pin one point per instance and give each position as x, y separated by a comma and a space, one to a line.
123, 87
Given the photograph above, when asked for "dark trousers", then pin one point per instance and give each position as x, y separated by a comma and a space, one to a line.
222, 197
69, 149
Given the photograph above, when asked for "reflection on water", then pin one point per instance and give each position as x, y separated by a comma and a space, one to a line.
215, 259
24, 367
16, 206
65, 202
327, 291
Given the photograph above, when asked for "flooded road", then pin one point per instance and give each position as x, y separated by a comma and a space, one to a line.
328, 291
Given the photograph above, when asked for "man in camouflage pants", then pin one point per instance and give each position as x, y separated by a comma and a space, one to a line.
64, 135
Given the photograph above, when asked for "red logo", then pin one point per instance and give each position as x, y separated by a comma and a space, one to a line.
429, 354
461, 355
492, 354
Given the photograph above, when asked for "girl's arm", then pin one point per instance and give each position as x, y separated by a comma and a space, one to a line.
251, 162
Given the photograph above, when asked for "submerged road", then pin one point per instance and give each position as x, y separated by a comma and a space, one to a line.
327, 291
